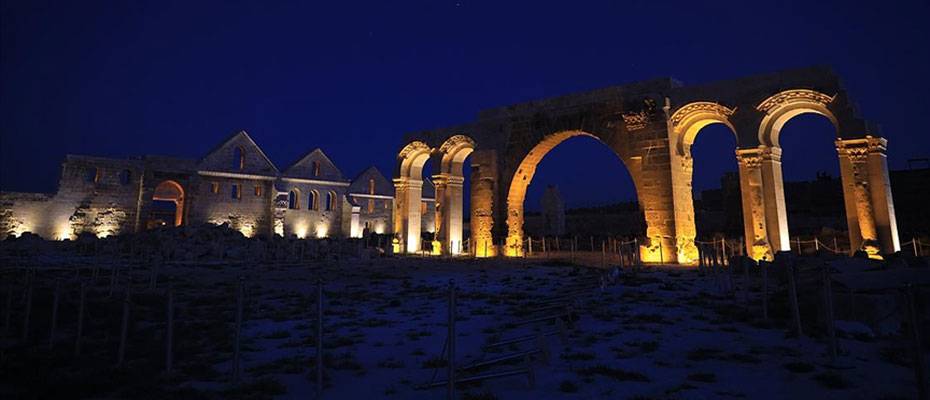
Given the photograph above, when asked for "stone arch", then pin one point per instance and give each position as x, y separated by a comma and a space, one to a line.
408, 194
785, 105
684, 125
689, 119
172, 191
449, 191
516, 193
777, 110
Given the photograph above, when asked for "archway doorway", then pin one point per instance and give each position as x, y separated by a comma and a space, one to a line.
520, 186
812, 186
167, 205
715, 187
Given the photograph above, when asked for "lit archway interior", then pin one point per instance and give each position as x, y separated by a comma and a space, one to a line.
171, 191
449, 185
408, 194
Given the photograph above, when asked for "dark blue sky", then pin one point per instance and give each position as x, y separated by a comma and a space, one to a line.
131, 78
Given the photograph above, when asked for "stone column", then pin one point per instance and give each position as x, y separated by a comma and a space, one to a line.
449, 205
407, 198
867, 194
440, 183
773, 191
752, 195
685, 231
483, 202
453, 217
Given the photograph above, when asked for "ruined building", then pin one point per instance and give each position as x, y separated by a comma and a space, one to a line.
234, 184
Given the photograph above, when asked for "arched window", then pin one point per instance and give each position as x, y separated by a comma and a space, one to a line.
293, 200
238, 161
236, 192
330, 201
371, 186
91, 175
314, 203
316, 168
125, 176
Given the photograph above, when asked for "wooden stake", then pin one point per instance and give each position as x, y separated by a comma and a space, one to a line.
828, 308
80, 321
169, 331
450, 390
54, 321
765, 289
793, 300
124, 331
920, 373
319, 334
236, 369
28, 309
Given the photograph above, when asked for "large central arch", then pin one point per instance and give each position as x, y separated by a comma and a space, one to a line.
516, 194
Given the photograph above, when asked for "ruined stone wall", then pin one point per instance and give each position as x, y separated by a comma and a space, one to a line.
22, 212
249, 213
377, 219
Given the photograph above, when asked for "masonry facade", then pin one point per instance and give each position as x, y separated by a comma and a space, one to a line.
234, 184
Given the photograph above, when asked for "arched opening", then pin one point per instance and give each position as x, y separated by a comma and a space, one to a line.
167, 205
330, 201
408, 195
293, 199
812, 184
715, 187
313, 202
451, 192
586, 189
789, 111
712, 122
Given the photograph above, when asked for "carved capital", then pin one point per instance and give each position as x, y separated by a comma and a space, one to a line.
858, 150
749, 158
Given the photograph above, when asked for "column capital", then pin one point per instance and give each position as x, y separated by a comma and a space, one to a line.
402, 183
859, 149
750, 158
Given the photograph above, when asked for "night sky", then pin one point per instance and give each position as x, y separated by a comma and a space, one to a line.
122, 79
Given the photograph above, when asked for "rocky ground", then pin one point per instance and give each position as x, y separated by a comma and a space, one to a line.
663, 332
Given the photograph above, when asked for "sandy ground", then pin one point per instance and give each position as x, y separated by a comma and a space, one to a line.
663, 333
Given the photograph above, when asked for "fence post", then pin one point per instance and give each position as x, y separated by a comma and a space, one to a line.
765, 289
571, 249
169, 331
8, 310
793, 298
80, 321
828, 308
836, 246
319, 333
816, 244
124, 330
28, 307
450, 390
236, 348
920, 372
797, 239
531, 246
54, 321
914, 245
603, 254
